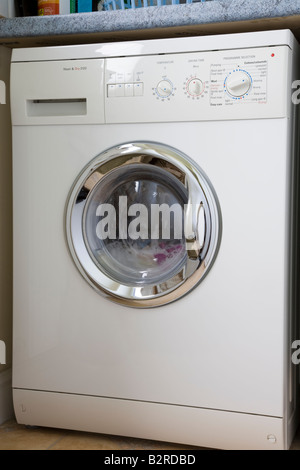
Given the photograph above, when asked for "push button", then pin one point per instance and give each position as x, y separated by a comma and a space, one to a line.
111, 90
125, 89
138, 89
119, 89
128, 89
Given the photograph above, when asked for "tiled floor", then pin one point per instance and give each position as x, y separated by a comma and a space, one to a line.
14, 436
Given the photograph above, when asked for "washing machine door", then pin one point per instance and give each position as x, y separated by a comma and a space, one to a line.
143, 224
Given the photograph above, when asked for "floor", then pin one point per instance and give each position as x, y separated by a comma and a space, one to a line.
14, 436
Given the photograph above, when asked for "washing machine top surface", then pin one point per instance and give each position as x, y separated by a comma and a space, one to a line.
157, 46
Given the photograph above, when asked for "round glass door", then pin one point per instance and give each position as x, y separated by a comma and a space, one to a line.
126, 239
143, 224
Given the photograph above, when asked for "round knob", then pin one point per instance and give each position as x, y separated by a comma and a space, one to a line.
238, 83
194, 87
164, 88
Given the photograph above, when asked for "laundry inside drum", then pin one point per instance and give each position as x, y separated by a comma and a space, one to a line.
134, 224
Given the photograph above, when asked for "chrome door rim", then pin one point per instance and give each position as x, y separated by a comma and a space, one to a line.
200, 190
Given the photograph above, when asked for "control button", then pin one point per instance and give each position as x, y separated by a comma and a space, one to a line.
128, 89
164, 88
138, 89
194, 87
125, 89
111, 90
238, 83
119, 89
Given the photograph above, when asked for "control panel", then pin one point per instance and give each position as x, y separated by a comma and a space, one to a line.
235, 84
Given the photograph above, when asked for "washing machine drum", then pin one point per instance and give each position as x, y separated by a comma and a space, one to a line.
143, 224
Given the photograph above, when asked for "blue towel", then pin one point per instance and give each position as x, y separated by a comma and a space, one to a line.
84, 6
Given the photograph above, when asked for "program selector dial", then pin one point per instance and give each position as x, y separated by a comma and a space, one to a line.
238, 83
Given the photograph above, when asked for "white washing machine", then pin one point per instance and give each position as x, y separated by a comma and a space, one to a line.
183, 338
